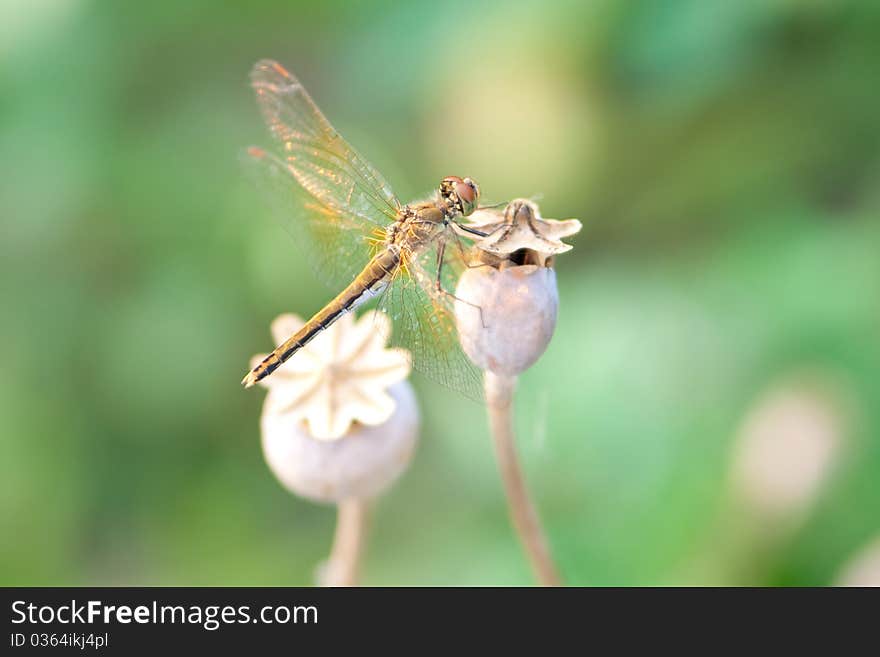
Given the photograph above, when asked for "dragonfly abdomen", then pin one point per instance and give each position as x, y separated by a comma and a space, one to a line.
369, 283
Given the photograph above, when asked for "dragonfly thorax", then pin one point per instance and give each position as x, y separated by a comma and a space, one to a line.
417, 224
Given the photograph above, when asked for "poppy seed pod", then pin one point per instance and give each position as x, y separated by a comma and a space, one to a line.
361, 464
506, 317
507, 300
340, 421
505, 309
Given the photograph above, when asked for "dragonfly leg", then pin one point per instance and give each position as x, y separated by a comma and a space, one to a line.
456, 227
471, 231
438, 285
464, 256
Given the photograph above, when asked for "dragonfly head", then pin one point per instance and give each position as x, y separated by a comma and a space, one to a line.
461, 195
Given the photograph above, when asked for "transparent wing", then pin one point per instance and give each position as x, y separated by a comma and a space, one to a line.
318, 157
331, 200
424, 319
334, 243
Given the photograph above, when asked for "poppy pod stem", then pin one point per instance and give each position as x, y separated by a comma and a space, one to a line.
343, 566
499, 401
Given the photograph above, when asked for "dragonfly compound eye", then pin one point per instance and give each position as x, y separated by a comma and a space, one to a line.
469, 193
461, 195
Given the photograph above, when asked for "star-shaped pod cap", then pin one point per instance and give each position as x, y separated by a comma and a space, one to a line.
340, 378
520, 227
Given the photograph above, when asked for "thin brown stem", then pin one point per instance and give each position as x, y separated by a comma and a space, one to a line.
342, 567
499, 401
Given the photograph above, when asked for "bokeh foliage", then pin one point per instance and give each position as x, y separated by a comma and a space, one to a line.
722, 155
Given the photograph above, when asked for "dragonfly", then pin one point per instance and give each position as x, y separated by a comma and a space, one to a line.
359, 237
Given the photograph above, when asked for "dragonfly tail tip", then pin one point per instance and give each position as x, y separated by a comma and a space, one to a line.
249, 380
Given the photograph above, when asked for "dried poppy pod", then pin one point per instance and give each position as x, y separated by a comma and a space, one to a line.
505, 309
513, 317
340, 421
340, 424
363, 463
507, 298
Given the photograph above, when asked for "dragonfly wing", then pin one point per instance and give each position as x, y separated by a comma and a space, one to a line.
318, 157
424, 321
333, 242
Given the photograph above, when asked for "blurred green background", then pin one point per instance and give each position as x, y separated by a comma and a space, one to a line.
725, 160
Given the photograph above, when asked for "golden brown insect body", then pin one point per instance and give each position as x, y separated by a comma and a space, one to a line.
416, 226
